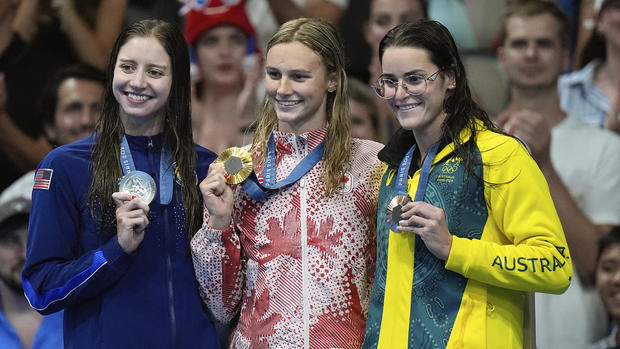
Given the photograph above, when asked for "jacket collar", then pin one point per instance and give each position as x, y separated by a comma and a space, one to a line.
313, 138
403, 140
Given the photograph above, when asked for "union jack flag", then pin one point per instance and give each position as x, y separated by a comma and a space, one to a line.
43, 178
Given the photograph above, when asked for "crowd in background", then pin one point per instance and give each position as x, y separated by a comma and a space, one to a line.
559, 94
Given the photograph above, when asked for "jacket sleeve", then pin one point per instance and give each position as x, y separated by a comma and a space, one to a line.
58, 272
217, 263
523, 245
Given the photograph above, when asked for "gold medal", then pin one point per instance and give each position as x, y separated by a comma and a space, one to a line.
140, 184
395, 209
237, 163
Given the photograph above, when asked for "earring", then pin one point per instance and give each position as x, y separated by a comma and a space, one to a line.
331, 89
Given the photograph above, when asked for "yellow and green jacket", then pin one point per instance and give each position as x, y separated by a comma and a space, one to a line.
506, 240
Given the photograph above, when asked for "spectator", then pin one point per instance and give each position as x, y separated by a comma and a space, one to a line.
20, 325
37, 39
227, 60
268, 15
365, 119
593, 93
574, 159
70, 106
607, 283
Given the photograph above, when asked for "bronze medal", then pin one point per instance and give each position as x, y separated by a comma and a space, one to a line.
394, 210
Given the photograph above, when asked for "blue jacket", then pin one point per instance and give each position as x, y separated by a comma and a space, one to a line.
146, 299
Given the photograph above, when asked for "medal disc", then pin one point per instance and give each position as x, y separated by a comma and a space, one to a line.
394, 210
140, 184
237, 163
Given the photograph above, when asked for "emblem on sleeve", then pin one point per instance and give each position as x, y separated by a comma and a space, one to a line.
43, 178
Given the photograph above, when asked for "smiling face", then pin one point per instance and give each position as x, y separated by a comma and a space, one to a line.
532, 54
77, 110
142, 80
296, 84
425, 112
219, 53
608, 279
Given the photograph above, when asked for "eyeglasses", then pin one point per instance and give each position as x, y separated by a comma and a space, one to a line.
414, 84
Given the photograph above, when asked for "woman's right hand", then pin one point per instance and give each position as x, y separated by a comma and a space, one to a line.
131, 220
217, 197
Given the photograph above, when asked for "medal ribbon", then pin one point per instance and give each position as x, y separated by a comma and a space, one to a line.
260, 192
403, 171
166, 171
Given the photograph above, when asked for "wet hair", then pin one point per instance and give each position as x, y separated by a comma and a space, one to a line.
177, 127
49, 99
530, 8
462, 111
608, 240
323, 39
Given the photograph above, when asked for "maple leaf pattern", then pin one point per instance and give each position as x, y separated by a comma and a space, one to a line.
320, 285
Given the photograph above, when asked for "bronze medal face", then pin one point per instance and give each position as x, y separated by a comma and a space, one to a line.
237, 163
140, 184
394, 210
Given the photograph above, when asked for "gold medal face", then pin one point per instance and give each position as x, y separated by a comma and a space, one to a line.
394, 210
140, 184
237, 163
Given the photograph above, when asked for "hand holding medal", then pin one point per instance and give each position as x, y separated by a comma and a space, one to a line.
401, 197
232, 166
139, 184
237, 163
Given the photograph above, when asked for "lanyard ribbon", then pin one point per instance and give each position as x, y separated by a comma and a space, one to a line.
403, 170
260, 192
166, 171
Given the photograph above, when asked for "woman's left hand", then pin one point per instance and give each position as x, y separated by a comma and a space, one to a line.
429, 222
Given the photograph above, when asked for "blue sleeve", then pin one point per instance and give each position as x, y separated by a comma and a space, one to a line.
59, 271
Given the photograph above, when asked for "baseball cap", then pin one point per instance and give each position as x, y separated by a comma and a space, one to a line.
16, 199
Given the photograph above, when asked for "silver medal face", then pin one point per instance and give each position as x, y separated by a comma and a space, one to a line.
140, 184
394, 210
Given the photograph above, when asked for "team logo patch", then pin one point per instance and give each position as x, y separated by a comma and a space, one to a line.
177, 174
347, 180
43, 178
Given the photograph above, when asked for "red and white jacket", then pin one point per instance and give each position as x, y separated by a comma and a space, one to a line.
299, 266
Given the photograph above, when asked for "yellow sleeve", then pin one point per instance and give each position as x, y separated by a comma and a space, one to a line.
522, 245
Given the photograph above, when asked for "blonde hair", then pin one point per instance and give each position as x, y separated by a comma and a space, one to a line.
322, 38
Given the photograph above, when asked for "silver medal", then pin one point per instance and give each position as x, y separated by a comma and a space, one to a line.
140, 184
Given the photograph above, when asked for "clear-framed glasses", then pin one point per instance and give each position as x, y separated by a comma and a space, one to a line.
413, 83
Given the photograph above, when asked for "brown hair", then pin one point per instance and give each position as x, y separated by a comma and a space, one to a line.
177, 129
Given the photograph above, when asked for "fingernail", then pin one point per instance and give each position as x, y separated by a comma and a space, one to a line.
133, 197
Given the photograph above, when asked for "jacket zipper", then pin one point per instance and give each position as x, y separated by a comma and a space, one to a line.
303, 192
165, 237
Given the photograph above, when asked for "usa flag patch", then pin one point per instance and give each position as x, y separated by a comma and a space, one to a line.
43, 178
